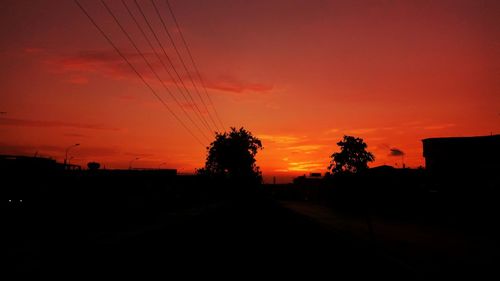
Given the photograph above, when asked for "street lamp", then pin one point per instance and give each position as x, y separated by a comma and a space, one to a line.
67, 150
130, 164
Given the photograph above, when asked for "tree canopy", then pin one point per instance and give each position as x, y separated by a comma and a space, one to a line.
93, 166
232, 155
352, 158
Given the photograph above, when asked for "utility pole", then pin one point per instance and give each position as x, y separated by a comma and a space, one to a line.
66, 157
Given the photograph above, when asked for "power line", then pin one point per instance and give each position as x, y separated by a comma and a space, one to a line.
163, 64
193, 62
171, 63
137, 72
149, 65
181, 60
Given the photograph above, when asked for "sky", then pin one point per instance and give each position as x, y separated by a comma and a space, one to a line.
298, 74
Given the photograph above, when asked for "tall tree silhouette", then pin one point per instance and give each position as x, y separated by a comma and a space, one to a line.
232, 155
352, 158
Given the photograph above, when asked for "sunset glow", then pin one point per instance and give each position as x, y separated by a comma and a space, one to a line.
298, 74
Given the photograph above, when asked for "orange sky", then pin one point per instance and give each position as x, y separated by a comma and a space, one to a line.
297, 74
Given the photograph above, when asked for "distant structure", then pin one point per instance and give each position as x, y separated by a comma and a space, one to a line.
463, 157
93, 166
142, 172
27, 163
315, 175
312, 179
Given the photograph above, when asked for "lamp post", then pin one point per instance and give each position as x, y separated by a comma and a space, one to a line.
67, 150
130, 164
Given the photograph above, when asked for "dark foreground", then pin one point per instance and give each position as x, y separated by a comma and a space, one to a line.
124, 224
242, 236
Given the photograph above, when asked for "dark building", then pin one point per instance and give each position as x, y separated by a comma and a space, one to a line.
477, 158
10, 163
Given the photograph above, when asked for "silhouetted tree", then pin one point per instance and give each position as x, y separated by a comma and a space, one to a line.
352, 158
93, 166
232, 155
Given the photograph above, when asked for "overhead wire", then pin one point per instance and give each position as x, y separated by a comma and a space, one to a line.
172, 41
134, 69
148, 23
159, 58
149, 65
202, 82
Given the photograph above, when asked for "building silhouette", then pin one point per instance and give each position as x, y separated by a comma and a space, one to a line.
28, 163
475, 158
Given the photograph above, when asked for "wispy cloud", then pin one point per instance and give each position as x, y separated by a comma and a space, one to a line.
281, 139
369, 130
109, 64
236, 85
18, 149
306, 148
78, 79
75, 135
48, 124
304, 166
332, 131
33, 50
53, 150
106, 63
439, 126
359, 131
141, 155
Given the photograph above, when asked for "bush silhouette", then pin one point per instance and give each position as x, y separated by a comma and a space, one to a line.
93, 166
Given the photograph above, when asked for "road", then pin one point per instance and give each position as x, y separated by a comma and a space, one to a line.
429, 250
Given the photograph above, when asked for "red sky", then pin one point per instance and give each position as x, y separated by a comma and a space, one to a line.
297, 74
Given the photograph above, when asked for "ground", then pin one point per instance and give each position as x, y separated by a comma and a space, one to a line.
231, 238
232, 235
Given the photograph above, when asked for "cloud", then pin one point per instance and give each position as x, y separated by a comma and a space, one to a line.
396, 152
126, 97
75, 135
295, 144
109, 64
281, 139
360, 131
235, 85
103, 62
17, 149
281, 170
78, 79
368, 130
51, 124
141, 155
307, 148
439, 127
332, 131
304, 166
33, 50
53, 150
96, 151
106, 63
